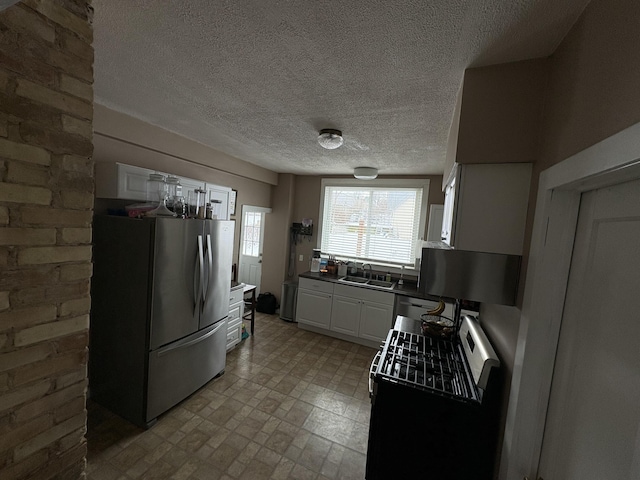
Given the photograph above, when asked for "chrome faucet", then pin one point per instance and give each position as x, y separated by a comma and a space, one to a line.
365, 272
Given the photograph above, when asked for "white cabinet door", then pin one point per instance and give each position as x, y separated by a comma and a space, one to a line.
216, 193
345, 315
375, 320
117, 180
189, 185
314, 308
448, 212
436, 217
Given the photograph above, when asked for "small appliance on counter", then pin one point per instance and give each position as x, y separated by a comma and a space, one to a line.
315, 260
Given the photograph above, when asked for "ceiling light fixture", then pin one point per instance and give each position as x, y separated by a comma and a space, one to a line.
365, 173
330, 139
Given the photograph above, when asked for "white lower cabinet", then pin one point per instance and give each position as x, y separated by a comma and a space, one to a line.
234, 321
353, 313
365, 312
314, 303
376, 320
345, 315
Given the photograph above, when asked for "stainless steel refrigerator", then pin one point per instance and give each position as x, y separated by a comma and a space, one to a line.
160, 300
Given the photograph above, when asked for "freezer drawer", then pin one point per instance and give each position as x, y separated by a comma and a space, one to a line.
180, 368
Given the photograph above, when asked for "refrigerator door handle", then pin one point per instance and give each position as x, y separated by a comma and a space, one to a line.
198, 276
209, 272
192, 342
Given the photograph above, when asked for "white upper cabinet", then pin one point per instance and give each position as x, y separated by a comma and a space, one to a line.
117, 180
127, 182
216, 193
190, 185
486, 207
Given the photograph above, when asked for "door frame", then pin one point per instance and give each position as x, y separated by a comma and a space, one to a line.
609, 162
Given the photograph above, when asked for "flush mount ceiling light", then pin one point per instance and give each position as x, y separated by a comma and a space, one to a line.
365, 173
330, 139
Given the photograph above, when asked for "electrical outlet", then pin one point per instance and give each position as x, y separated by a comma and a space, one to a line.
301, 258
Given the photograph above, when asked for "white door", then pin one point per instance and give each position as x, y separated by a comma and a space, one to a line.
592, 430
251, 245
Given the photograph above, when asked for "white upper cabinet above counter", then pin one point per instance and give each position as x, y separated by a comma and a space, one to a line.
127, 182
117, 180
486, 207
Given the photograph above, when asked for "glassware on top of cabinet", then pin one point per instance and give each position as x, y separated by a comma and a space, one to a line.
157, 193
201, 204
173, 189
216, 207
192, 208
156, 188
179, 206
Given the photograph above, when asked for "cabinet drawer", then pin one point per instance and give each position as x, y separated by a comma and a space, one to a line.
368, 294
316, 285
234, 314
172, 376
236, 296
234, 323
234, 334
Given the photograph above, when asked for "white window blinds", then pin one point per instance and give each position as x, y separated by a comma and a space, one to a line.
372, 224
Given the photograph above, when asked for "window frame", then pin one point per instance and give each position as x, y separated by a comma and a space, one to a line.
423, 183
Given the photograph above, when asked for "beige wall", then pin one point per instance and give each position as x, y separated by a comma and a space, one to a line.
275, 256
595, 76
46, 202
498, 114
501, 112
307, 205
108, 123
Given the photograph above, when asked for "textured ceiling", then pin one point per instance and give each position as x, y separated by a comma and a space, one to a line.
258, 79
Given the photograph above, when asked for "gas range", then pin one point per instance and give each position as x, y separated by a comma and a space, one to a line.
442, 385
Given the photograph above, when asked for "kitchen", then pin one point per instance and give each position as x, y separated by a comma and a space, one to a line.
585, 105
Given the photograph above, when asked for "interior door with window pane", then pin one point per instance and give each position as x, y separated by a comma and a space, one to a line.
251, 245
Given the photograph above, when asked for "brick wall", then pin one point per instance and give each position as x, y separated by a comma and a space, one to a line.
46, 202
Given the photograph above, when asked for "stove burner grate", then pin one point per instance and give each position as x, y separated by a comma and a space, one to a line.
428, 363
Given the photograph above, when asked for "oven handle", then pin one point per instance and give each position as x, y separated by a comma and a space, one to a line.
374, 365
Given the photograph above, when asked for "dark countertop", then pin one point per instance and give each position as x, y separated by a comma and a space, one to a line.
408, 289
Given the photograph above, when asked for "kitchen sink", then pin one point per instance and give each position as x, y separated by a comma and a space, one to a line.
350, 279
368, 283
381, 284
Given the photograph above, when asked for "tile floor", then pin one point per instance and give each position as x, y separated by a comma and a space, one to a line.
291, 405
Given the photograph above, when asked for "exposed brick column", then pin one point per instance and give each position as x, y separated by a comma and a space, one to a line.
46, 205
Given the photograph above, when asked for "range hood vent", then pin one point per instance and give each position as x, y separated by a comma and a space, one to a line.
477, 276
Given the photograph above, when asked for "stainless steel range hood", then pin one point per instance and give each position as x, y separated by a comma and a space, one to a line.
477, 276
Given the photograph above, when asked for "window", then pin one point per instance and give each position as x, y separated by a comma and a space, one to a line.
251, 234
382, 222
